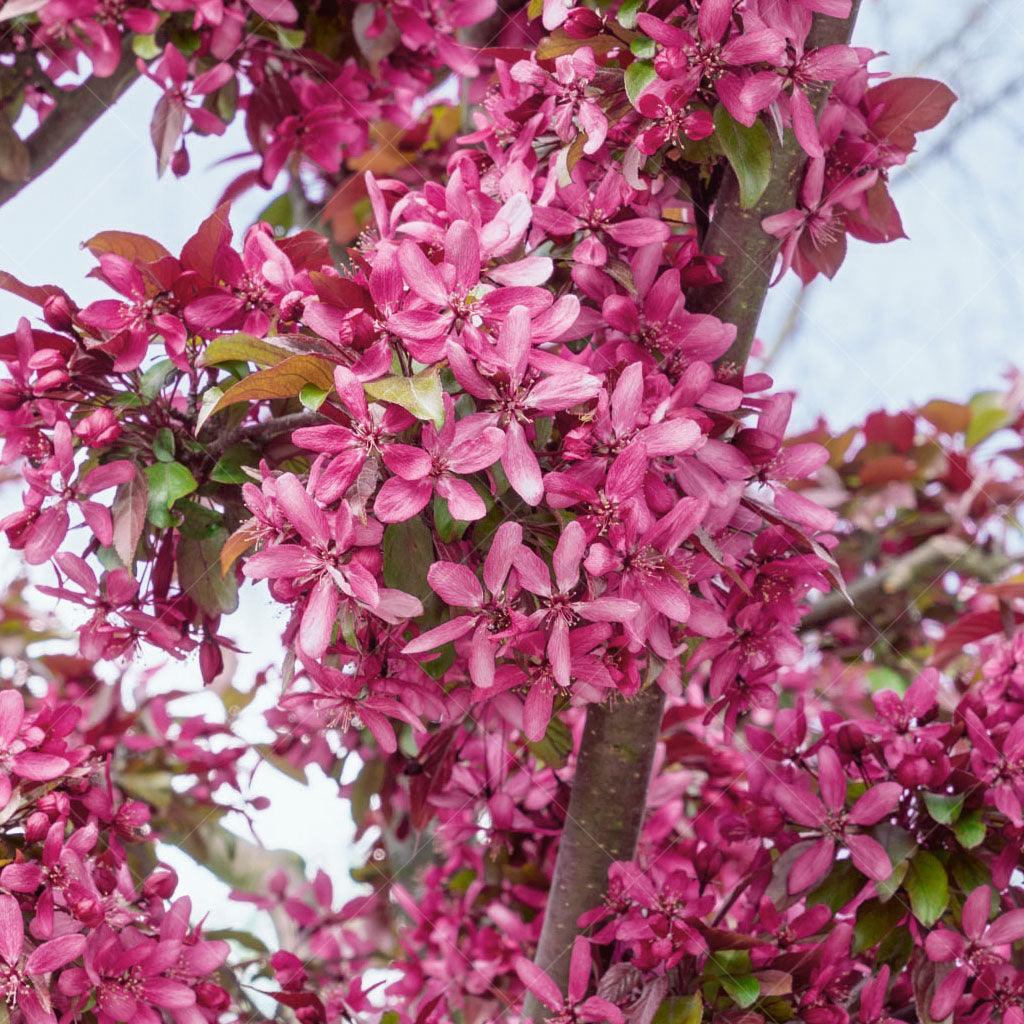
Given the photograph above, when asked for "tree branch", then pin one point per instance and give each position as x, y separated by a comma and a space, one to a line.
74, 113
735, 234
606, 810
937, 556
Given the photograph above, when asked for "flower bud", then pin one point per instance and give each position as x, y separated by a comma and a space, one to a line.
58, 313
161, 883
180, 162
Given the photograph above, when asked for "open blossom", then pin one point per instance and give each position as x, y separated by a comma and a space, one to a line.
562, 605
980, 943
504, 378
326, 564
22, 978
492, 616
827, 815
812, 235
451, 298
461, 447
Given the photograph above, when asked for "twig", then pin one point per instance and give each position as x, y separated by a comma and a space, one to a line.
255, 432
922, 565
75, 112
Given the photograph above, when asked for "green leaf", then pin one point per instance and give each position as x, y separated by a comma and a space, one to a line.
163, 445
279, 214
743, 990
168, 481
885, 678
421, 395
448, 529
555, 746
841, 884
228, 469
680, 1010
284, 380
290, 38
242, 347
628, 10
638, 76
945, 808
408, 554
239, 937
928, 887
367, 783
145, 46
970, 830
311, 397
200, 577
875, 920
643, 47
988, 414
153, 379
749, 151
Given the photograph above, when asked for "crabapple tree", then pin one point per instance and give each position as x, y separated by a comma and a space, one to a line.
647, 710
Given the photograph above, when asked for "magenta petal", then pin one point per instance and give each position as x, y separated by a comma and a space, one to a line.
1005, 929
811, 866
400, 499
521, 466
39, 767
464, 503
55, 953
46, 534
877, 803
456, 584
869, 857
948, 994
12, 713
12, 929
318, 619
539, 984
440, 635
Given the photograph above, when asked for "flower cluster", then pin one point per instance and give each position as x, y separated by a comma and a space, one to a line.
492, 471
78, 926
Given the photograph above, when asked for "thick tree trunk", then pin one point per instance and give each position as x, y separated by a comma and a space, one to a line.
609, 791
606, 810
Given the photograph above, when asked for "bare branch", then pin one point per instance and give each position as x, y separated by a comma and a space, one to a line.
75, 112
922, 566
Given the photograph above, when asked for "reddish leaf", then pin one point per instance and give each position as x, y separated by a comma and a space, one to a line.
35, 293
132, 246
904, 106
200, 251
236, 545
949, 417
166, 128
129, 516
307, 250
887, 469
